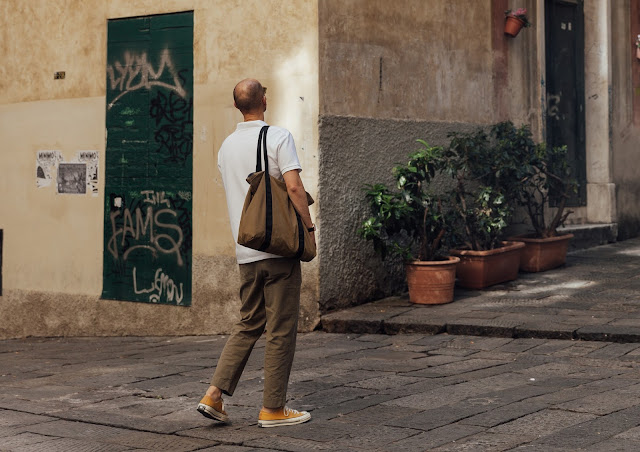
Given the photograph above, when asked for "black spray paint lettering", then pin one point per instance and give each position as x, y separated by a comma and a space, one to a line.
137, 73
174, 126
47, 155
161, 284
88, 155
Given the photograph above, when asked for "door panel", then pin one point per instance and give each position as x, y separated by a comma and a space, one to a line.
565, 86
149, 149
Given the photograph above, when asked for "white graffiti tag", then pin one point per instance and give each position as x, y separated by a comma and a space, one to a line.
161, 284
155, 198
553, 102
137, 73
151, 225
145, 228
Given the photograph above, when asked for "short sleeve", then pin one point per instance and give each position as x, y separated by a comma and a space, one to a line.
287, 155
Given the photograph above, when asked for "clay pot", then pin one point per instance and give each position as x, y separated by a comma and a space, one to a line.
512, 26
431, 282
539, 255
480, 269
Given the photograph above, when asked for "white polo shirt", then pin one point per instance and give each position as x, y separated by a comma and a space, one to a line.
237, 159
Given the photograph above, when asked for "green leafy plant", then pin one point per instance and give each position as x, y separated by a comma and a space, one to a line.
492, 171
550, 181
510, 161
483, 170
409, 221
531, 175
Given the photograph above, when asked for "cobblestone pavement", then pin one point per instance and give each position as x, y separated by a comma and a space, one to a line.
365, 392
596, 296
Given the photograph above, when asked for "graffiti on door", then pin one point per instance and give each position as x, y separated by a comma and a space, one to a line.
148, 167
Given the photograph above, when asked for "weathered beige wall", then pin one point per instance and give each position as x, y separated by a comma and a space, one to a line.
391, 73
437, 60
625, 138
52, 257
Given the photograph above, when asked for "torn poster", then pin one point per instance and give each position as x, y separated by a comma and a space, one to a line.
91, 159
46, 167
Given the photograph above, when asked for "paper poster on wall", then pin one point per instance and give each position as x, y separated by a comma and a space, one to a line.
91, 159
46, 167
72, 178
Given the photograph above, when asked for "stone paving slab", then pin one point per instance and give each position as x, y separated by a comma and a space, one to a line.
594, 297
365, 392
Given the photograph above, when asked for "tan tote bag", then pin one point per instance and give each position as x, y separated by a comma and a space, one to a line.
269, 222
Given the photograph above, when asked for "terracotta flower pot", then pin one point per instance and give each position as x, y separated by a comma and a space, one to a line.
539, 255
431, 282
480, 269
512, 26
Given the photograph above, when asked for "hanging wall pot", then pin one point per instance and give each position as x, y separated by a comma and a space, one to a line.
514, 21
512, 26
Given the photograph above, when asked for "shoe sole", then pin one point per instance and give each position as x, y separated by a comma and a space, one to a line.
209, 412
285, 422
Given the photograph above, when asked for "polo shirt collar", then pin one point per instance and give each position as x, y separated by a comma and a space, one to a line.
250, 124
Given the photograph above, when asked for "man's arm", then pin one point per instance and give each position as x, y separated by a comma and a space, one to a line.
298, 196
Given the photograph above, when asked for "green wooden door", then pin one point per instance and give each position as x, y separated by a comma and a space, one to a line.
148, 164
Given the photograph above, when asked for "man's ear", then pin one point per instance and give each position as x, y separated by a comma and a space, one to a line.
264, 102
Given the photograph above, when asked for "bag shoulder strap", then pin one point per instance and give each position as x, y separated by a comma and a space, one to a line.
262, 144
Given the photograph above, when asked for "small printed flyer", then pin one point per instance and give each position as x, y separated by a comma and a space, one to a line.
91, 159
47, 167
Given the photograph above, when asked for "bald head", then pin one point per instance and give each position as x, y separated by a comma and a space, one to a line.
248, 96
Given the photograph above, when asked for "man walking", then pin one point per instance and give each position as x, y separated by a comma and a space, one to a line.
269, 284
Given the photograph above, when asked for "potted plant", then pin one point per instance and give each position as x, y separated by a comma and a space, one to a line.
413, 223
514, 21
482, 175
548, 181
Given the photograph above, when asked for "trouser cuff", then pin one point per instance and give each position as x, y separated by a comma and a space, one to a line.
224, 385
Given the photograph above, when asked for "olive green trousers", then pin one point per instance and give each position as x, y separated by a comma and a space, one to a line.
270, 295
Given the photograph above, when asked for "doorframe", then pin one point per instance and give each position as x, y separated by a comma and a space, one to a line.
580, 170
600, 190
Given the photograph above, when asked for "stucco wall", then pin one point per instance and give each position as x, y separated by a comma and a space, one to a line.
391, 75
625, 26
355, 152
52, 262
444, 60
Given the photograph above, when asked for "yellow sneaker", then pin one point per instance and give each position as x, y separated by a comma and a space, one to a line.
213, 410
284, 416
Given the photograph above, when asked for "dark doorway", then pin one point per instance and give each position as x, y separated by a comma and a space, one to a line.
564, 23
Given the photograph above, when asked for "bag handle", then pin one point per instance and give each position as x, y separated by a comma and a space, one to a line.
262, 140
